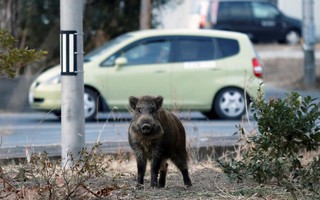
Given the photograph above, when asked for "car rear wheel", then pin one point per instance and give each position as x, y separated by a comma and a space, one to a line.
230, 103
90, 104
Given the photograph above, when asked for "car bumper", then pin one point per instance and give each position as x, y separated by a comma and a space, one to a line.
45, 97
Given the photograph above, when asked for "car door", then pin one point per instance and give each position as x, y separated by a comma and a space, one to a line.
267, 21
197, 72
146, 72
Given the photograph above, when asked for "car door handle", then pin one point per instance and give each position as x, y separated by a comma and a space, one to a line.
159, 71
268, 23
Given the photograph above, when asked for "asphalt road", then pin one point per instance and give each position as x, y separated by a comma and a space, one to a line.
41, 131
35, 130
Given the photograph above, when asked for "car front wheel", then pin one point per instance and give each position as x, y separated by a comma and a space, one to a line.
292, 37
230, 103
90, 104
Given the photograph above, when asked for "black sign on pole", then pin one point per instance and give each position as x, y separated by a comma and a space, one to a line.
68, 52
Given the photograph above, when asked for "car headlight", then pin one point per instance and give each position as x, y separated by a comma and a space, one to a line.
54, 80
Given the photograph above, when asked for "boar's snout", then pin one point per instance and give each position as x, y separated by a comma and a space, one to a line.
146, 124
145, 128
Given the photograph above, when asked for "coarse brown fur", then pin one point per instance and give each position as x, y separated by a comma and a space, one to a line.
157, 135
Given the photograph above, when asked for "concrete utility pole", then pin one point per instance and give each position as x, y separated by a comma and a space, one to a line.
309, 40
145, 12
72, 102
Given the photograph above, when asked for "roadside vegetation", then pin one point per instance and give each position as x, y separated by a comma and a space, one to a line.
278, 161
12, 58
285, 153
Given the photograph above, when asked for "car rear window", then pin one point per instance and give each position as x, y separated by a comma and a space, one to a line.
203, 49
226, 48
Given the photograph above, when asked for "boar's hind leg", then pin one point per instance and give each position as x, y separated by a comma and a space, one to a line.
163, 174
182, 164
186, 178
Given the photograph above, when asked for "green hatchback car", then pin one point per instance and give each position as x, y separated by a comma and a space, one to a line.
210, 71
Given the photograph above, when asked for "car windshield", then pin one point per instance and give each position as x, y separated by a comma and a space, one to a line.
106, 46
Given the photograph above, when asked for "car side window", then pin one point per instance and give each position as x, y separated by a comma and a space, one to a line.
204, 48
193, 49
109, 62
151, 52
146, 52
264, 11
234, 11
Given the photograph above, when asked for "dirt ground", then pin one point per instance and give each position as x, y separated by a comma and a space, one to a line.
208, 183
119, 182
287, 72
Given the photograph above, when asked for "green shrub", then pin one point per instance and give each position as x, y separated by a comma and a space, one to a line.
12, 58
287, 128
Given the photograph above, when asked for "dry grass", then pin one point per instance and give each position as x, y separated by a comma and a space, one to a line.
118, 182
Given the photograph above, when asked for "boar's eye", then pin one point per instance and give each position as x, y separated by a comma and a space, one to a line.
153, 110
138, 110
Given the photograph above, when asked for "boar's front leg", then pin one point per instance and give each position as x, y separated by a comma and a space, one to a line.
155, 167
163, 174
141, 165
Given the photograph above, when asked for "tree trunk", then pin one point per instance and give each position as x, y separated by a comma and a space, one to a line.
9, 16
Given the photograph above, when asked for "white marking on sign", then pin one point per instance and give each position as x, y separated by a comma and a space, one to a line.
71, 53
64, 50
68, 52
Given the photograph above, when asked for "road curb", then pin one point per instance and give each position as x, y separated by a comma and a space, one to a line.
19, 152
204, 147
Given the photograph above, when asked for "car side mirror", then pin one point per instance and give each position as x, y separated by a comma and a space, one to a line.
119, 62
278, 14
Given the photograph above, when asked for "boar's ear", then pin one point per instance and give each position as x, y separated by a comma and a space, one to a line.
133, 102
158, 100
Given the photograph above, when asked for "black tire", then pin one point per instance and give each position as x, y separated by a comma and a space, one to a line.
57, 113
90, 104
230, 104
292, 37
210, 115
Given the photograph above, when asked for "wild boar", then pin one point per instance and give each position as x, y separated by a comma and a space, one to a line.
157, 135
